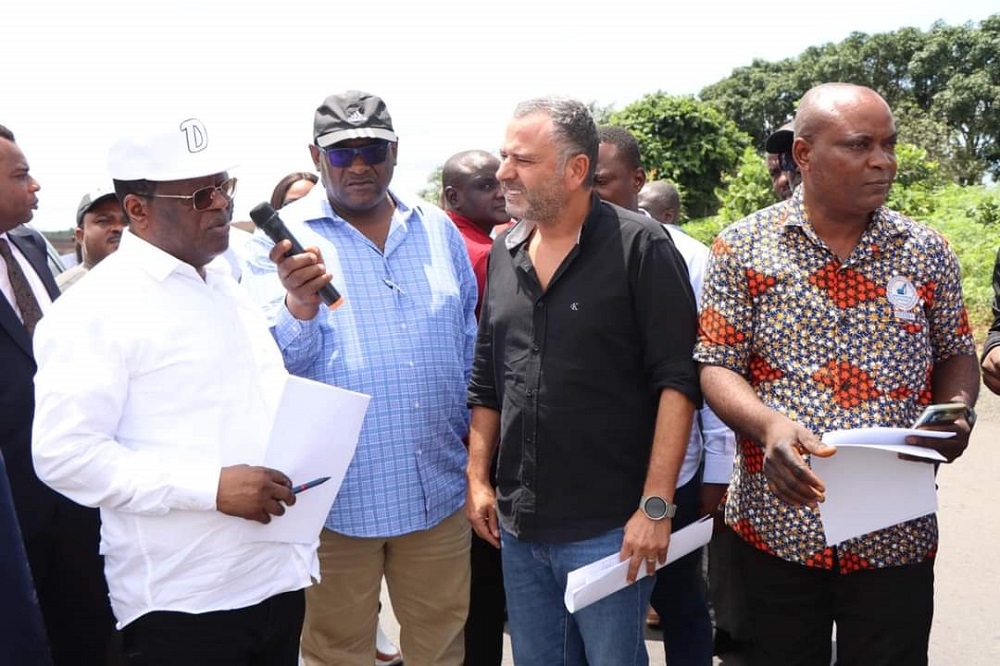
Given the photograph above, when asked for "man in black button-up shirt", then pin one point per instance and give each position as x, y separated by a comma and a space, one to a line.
583, 375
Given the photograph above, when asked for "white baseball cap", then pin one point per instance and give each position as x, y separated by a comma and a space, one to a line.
176, 150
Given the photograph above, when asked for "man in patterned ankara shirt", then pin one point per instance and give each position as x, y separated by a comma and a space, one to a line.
830, 311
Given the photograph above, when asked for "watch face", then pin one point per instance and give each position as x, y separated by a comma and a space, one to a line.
655, 507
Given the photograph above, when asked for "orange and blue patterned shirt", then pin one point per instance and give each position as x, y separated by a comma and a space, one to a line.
831, 344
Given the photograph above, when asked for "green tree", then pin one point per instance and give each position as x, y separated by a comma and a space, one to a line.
600, 112
747, 189
962, 69
758, 98
918, 179
685, 141
943, 84
432, 190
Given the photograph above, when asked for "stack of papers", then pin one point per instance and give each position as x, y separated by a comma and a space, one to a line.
606, 576
869, 487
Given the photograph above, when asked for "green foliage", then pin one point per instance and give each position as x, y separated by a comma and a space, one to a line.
986, 212
685, 141
975, 244
917, 180
432, 190
600, 112
747, 190
943, 85
962, 73
705, 229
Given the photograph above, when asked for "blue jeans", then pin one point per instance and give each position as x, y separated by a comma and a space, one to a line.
607, 633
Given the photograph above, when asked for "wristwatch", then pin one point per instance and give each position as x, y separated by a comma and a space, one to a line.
657, 508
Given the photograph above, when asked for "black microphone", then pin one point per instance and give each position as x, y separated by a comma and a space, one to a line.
267, 220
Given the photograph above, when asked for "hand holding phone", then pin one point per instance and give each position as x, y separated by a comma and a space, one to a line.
940, 414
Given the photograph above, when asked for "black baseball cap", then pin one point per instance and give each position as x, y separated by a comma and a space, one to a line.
780, 140
352, 115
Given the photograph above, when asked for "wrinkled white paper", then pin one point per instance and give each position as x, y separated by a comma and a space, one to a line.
606, 576
868, 487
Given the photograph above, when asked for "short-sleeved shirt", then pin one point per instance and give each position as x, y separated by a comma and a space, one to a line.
576, 371
831, 344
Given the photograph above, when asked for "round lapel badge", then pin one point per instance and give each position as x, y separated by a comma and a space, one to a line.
901, 293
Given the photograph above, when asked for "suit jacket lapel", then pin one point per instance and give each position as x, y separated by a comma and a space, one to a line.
9, 320
34, 252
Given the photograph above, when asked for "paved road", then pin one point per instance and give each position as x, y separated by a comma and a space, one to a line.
966, 628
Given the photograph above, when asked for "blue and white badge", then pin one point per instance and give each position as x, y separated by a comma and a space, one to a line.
903, 296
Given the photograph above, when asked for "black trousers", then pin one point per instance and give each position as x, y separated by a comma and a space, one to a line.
265, 634
68, 571
883, 616
679, 594
487, 603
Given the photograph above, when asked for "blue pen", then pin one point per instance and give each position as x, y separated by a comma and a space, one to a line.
309, 484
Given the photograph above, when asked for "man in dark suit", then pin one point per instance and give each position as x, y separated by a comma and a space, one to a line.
60, 537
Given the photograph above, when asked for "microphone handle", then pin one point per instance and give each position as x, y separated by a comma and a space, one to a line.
277, 231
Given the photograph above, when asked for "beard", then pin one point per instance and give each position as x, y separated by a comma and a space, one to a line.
541, 203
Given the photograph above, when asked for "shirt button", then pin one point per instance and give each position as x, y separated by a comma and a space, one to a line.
412, 364
403, 326
534, 348
530, 393
539, 305
416, 405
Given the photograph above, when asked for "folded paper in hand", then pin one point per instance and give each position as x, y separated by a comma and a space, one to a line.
869, 487
606, 576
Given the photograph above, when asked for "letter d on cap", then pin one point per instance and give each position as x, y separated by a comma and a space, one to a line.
196, 135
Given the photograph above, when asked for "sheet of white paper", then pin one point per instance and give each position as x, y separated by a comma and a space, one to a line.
868, 487
314, 435
888, 439
606, 576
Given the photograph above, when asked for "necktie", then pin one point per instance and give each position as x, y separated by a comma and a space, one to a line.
25, 298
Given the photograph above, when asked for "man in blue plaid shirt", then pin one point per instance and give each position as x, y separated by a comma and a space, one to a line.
403, 334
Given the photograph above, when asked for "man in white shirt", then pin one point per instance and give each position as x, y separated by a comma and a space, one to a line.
679, 596
157, 385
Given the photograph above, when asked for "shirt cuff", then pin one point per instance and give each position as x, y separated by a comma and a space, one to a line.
718, 469
288, 330
195, 488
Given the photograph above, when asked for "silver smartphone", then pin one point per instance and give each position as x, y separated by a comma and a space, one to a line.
941, 414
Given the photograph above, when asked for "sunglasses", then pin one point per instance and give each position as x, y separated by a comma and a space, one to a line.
204, 198
371, 154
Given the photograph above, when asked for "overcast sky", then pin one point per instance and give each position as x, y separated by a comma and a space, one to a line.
450, 72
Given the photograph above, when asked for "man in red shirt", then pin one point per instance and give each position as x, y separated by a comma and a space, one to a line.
472, 198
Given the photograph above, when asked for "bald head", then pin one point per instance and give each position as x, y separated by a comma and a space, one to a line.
660, 199
461, 166
469, 187
845, 146
828, 102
